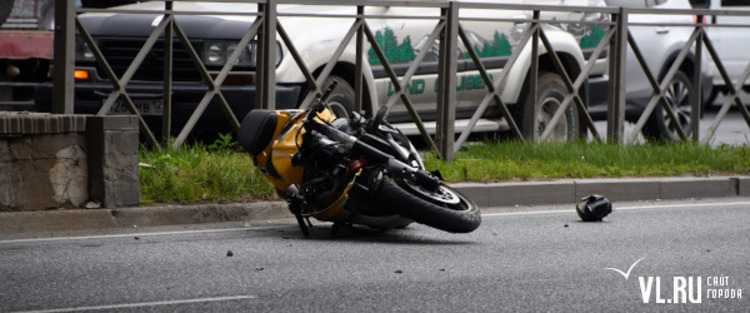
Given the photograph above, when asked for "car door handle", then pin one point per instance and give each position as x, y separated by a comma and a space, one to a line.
662, 30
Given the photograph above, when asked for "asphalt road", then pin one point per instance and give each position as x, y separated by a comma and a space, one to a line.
520, 259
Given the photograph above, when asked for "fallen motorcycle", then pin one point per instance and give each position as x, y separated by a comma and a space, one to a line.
350, 171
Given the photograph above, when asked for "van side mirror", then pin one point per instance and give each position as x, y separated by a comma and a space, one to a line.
653, 3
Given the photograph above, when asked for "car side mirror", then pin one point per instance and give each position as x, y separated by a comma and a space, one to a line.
653, 3
700, 4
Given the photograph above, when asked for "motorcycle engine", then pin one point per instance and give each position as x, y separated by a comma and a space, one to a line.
325, 163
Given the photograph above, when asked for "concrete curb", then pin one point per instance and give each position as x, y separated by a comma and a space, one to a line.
625, 189
92, 219
485, 195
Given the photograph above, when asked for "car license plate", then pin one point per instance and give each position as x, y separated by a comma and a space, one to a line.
146, 107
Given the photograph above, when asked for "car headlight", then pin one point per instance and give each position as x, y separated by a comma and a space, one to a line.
217, 52
83, 52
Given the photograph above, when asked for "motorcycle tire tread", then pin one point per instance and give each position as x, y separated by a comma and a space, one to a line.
400, 201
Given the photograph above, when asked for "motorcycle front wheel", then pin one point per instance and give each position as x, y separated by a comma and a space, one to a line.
445, 209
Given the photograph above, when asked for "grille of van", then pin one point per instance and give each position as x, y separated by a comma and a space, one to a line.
120, 53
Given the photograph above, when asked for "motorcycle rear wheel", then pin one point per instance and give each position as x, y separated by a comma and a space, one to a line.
446, 210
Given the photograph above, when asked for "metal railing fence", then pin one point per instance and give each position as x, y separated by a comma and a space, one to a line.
698, 41
268, 26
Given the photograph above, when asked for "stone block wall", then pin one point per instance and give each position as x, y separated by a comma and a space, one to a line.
63, 161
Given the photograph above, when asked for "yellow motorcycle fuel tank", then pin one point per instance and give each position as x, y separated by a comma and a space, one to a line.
280, 152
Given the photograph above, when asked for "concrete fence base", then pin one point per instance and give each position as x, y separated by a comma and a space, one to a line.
63, 161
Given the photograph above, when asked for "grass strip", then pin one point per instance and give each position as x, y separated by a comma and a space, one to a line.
219, 173
196, 173
512, 160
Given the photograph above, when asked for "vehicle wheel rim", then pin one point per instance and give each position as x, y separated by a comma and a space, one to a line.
677, 97
544, 117
442, 195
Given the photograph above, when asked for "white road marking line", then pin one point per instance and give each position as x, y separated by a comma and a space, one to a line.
143, 304
617, 208
526, 213
166, 233
691, 205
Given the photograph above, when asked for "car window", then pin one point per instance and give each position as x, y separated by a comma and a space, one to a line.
735, 3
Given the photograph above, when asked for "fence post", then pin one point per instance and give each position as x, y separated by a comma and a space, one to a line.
697, 99
616, 88
446, 105
265, 97
166, 121
64, 60
531, 132
360, 51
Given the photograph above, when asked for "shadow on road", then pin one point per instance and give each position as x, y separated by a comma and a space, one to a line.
410, 235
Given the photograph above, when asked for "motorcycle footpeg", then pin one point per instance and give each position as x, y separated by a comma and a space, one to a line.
302, 225
295, 207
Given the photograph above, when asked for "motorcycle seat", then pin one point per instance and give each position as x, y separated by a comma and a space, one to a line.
257, 130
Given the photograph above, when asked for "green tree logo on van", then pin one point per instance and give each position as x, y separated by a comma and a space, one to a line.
592, 39
394, 52
498, 47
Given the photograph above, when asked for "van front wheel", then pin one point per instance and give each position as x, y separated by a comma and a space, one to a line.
552, 91
341, 99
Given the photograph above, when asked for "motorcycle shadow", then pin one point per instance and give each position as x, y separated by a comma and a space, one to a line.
410, 235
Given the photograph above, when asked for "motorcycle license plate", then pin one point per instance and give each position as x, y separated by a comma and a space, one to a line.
147, 107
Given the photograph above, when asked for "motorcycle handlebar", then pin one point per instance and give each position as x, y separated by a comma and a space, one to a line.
393, 165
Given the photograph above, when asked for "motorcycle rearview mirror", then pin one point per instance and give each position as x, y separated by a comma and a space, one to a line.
325, 96
320, 103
